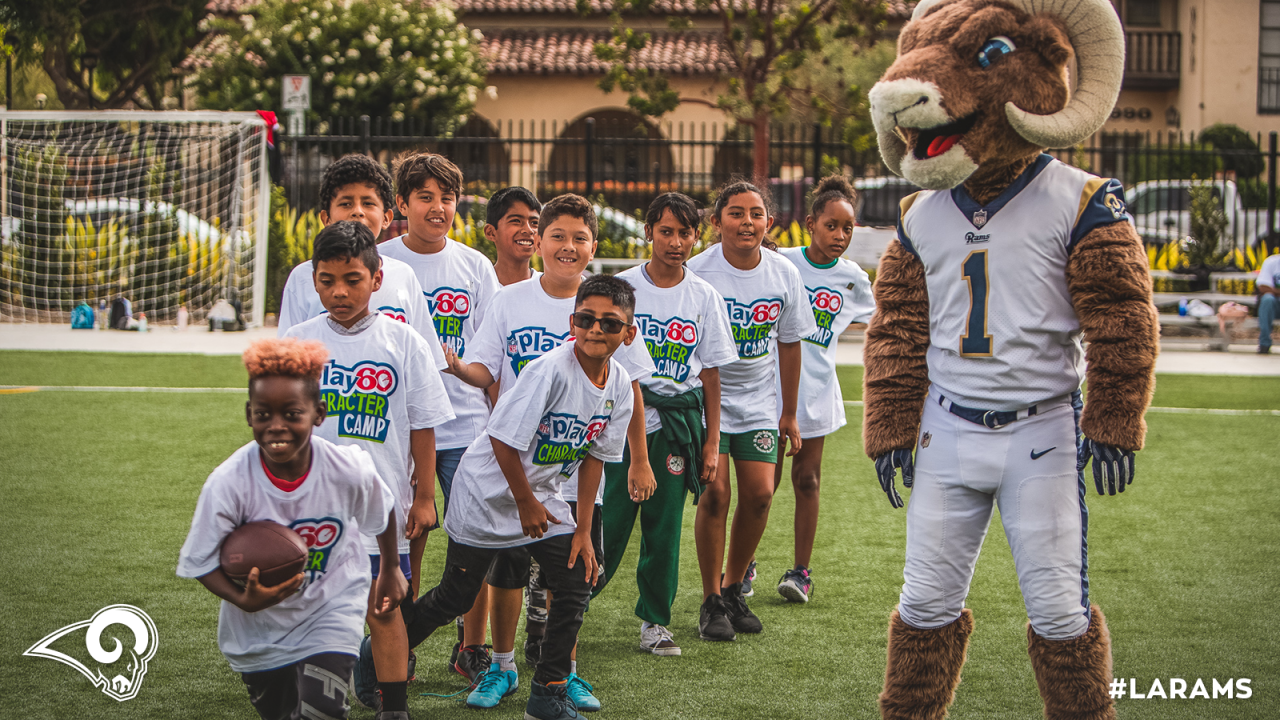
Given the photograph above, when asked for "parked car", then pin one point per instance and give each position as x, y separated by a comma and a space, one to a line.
1161, 212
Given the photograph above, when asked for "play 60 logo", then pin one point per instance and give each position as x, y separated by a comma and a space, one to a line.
321, 535
450, 307
752, 322
827, 300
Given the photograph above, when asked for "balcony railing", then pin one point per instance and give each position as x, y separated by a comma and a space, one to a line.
1152, 59
1269, 90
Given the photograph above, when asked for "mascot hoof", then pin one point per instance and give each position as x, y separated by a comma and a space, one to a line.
1075, 675
923, 668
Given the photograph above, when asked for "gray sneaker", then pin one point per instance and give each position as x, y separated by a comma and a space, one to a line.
657, 640
748, 580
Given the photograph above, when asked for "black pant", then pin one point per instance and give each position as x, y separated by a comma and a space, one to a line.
464, 571
310, 688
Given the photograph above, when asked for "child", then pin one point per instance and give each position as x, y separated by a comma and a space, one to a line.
511, 224
520, 327
294, 643
358, 188
765, 298
381, 393
683, 323
565, 416
839, 294
459, 283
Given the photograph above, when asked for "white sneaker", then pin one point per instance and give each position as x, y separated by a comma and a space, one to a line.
657, 640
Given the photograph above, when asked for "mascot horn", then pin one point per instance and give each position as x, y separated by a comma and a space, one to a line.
975, 356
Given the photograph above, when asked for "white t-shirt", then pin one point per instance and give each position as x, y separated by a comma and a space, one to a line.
554, 416
378, 385
685, 329
341, 500
458, 283
764, 303
839, 295
523, 324
399, 298
1269, 273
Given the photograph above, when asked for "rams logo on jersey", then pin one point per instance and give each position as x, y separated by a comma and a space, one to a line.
1115, 205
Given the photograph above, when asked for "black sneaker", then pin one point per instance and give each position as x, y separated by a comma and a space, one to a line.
740, 616
532, 649
1264, 349
748, 580
713, 621
473, 661
550, 702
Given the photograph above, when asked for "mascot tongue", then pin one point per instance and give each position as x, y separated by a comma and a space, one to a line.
941, 144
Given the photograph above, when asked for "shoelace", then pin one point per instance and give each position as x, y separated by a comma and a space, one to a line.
488, 680
574, 680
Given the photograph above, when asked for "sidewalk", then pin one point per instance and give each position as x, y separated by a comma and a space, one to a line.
1241, 360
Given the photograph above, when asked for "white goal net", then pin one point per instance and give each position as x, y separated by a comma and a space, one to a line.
165, 209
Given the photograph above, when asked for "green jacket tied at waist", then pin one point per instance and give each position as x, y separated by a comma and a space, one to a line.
682, 431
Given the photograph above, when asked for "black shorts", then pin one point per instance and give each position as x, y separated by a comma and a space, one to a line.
510, 568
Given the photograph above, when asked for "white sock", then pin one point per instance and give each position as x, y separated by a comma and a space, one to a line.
645, 625
506, 661
573, 666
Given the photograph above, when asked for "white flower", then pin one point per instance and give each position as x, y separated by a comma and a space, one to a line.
448, 55
419, 86
384, 49
462, 42
477, 35
448, 43
353, 53
397, 116
471, 93
327, 78
266, 42
334, 107
313, 33
269, 83
253, 84
362, 79
261, 98
371, 39
247, 21
373, 77
492, 92
422, 73
203, 25
326, 60
406, 56
432, 90
315, 15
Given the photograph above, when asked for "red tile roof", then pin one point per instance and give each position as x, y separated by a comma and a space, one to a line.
570, 52
899, 9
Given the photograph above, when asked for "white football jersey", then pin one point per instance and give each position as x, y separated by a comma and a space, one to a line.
1003, 334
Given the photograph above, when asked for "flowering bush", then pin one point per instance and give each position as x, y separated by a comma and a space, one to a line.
365, 57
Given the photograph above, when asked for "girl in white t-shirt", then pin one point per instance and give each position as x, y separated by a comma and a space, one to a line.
839, 294
295, 641
767, 304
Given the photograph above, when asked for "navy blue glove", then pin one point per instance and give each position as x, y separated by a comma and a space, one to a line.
1112, 466
887, 466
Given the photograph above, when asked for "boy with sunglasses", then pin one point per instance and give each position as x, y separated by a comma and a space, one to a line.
520, 327
564, 417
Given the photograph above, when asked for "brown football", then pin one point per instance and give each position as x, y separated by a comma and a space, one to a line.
278, 552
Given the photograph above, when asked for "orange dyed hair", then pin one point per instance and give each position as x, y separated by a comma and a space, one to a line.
289, 357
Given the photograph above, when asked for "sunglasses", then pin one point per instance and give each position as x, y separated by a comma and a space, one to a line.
608, 326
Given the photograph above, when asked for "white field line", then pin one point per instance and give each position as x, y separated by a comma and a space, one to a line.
16, 389
1169, 410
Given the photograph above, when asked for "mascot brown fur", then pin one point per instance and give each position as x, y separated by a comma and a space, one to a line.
949, 115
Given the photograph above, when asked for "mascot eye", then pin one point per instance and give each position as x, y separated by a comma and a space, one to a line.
994, 49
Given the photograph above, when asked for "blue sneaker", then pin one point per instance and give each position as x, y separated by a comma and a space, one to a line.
365, 677
579, 692
550, 702
493, 686
748, 580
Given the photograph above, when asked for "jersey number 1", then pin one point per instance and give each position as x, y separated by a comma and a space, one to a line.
976, 342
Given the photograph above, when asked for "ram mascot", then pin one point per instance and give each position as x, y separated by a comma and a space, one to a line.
974, 358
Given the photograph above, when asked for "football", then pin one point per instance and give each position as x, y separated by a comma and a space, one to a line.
278, 552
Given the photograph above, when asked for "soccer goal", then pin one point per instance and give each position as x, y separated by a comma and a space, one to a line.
166, 209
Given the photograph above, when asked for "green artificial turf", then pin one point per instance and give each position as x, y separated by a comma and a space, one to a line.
99, 489
25, 367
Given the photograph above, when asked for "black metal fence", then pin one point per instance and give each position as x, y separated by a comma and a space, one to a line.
627, 162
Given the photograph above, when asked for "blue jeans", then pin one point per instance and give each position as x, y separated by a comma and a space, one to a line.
1268, 307
446, 465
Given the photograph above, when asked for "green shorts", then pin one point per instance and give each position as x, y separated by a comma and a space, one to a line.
761, 445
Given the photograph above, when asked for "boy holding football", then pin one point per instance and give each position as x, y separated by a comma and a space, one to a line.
565, 416
295, 643
382, 393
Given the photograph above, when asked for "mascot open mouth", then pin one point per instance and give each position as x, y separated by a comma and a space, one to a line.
934, 141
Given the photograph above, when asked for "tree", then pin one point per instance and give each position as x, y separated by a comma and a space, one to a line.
128, 48
373, 57
771, 42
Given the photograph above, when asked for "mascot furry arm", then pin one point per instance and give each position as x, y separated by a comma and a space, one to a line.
1000, 129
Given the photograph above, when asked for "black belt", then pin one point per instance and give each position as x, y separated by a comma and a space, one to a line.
993, 419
